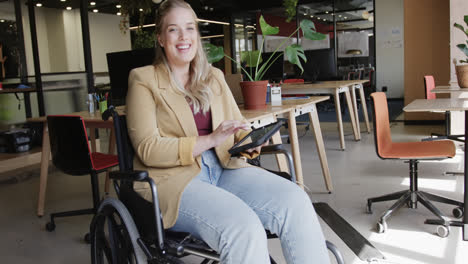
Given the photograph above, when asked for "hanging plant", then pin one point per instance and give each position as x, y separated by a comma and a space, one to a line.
128, 8
290, 9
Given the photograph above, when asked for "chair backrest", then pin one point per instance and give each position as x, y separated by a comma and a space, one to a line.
382, 134
69, 144
233, 81
293, 81
429, 84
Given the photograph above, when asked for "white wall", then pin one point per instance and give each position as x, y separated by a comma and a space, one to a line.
389, 27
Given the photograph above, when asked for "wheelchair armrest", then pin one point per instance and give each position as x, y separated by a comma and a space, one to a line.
135, 175
280, 149
273, 149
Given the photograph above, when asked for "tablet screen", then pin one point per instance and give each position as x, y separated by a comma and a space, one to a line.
256, 137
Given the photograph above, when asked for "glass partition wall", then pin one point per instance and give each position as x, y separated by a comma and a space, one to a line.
350, 44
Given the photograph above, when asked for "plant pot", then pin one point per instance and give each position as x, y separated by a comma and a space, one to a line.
462, 75
254, 94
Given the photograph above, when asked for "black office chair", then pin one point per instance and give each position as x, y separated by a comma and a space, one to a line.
71, 154
122, 230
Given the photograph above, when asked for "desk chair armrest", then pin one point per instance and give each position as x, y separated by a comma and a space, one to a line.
129, 175
280, 149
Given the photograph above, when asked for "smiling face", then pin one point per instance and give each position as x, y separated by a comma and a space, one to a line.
179, 37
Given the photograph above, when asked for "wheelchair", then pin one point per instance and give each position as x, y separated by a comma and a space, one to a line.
130, 229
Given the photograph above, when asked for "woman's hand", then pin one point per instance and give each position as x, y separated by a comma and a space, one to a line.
218, 136
226, 129
257, 149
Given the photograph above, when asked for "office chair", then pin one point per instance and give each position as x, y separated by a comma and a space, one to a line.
130, 229
412, 153
72, 155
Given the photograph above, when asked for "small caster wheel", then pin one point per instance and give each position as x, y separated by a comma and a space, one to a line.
443, 231
87, 238
50, 226
381, 227
369, 208
458, 212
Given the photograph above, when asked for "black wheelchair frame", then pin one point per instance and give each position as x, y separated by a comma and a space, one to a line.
122, 231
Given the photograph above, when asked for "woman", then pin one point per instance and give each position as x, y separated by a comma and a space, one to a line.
182, 119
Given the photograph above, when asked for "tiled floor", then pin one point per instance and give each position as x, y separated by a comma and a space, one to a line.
357, 174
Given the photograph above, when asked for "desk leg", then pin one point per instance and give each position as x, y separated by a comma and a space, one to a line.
352, 116
111, 150
321, 148
364, 107
92, 138
295, 148
465, 198
45, 157
336, 97
355, 109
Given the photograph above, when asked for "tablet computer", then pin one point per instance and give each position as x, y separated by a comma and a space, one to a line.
256, 138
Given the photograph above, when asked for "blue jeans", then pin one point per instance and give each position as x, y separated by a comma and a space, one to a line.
230, 210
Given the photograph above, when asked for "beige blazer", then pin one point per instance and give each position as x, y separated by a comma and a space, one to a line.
163, 133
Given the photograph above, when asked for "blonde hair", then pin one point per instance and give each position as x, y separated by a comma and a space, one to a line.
198, 92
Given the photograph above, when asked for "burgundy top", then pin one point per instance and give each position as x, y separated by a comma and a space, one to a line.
203, 122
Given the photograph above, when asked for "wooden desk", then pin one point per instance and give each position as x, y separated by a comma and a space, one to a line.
293, 108
446, 104
334, 88
92, 121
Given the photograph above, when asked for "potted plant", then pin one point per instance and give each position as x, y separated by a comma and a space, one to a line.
462, 69
255, 88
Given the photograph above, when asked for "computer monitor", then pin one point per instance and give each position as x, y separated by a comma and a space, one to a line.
275, 72
320, 65
119, 65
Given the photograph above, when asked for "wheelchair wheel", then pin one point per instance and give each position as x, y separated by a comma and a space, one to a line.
114, 235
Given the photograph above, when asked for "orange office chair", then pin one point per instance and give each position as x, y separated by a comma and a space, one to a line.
72, 154
410, 152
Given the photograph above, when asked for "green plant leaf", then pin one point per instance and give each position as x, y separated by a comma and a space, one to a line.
294, 53
308, 29
461, 28
466, 20
213, 53
250, 57
463, 48
267, 29
290, 9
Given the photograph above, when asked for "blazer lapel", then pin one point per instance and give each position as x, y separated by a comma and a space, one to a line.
176, 101
216, 105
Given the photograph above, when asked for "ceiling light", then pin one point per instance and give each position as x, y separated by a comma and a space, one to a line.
157, 1
371, 18
339, 15
345, 17
38, 4
141, 9
311, 16
118, 6
324, 19
2, 20
95, 10
119, 14
69, 8
211, 9
63, 0
92, 3
326, 12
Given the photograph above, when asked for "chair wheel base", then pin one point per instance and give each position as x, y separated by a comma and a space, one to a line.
443, 231
458, 212
50, 226
381, 227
